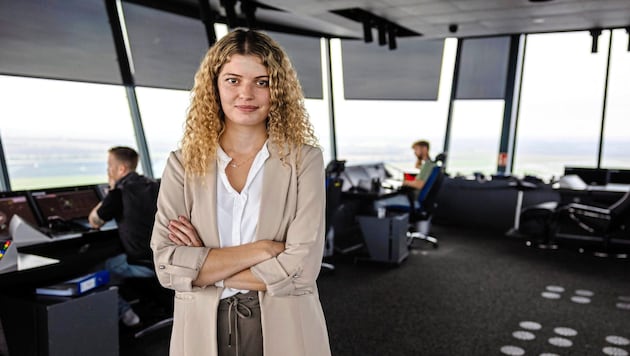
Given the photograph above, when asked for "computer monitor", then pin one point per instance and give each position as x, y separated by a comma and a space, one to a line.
67, 204
15, 203
590, 176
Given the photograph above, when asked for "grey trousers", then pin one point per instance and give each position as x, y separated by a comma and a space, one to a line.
239, 331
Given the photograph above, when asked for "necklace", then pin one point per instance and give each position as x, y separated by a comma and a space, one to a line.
236, 165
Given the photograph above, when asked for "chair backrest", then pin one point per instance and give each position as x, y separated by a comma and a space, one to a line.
427, 198
333, 197
621, 207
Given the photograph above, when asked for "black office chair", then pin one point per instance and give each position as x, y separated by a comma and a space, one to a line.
603, 221
153, 302
421, 209
333, 203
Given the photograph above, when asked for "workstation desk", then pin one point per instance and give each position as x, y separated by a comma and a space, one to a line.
45, 325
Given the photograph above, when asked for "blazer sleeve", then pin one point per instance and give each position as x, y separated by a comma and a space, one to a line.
294, 271
176, 266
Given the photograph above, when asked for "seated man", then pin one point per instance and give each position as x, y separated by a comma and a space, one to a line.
131, 201
423, 162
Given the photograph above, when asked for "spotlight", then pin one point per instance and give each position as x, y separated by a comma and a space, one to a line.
367, 31
595, 33
452, 28
391, 32
381, 35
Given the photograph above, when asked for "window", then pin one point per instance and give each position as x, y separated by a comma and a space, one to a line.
561, 103
57, 133
475, 134
163, 113
617, 126
383, 131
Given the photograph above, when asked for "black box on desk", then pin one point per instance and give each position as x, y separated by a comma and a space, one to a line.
62, 326
386, 238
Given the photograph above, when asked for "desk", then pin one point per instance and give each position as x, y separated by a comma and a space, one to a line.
38, 325
599, 195
75, 256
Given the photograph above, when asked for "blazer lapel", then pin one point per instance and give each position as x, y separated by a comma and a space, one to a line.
206, 208
276, 181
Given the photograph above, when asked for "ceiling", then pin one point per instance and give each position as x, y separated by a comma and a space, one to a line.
432, 18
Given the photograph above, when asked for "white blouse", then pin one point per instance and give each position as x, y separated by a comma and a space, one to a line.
237, 213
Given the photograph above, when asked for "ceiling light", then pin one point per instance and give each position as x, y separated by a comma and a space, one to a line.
538, 20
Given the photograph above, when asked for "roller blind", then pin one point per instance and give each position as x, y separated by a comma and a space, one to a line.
60, 39
411, 72
166, 48
483, 68
305, 54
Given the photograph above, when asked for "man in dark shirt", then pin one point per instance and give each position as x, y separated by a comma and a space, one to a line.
131, 201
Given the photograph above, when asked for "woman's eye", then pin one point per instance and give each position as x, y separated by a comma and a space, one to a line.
231, 80
263, 83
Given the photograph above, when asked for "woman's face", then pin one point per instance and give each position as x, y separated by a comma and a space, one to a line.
244, 91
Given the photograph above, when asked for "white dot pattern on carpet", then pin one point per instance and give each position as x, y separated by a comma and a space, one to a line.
614, 351
550, 295
523, 335
584, 293
562, 331
530, 325
580, 300
556, 289
617, 340
624, 306
560, 342
624, 298
512, 350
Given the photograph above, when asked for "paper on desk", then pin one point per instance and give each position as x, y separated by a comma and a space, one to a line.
26, 261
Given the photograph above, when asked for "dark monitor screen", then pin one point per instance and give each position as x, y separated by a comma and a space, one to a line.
590, 176
66, 203
14, 203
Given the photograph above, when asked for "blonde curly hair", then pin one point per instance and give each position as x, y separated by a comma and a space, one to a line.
288, 125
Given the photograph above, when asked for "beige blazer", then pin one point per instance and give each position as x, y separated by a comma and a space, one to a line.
293, 204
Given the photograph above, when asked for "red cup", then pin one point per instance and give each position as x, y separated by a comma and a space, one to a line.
409, 176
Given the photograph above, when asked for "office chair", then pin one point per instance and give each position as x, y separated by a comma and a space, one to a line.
333, 203
421, 210
155, 301
603, 221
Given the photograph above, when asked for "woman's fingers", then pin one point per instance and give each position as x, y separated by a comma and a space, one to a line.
182, 232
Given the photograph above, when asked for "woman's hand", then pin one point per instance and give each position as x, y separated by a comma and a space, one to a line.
273, 248
183, 233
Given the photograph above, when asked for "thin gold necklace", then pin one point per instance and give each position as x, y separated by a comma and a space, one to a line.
236, 165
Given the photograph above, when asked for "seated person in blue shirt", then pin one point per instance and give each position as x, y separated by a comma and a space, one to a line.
132, 202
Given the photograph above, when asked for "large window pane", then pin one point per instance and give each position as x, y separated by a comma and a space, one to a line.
383, 131
561, 103
163, 114
57, 133
475, 134
617, 124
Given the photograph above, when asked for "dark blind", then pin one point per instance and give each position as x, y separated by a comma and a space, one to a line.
410, 72
483, 68
305, 54
166, 49
61, 39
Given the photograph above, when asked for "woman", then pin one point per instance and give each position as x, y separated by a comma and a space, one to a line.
240, 224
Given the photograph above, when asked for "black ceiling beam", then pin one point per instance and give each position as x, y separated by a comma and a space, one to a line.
360, 15
192, 10
208, 17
